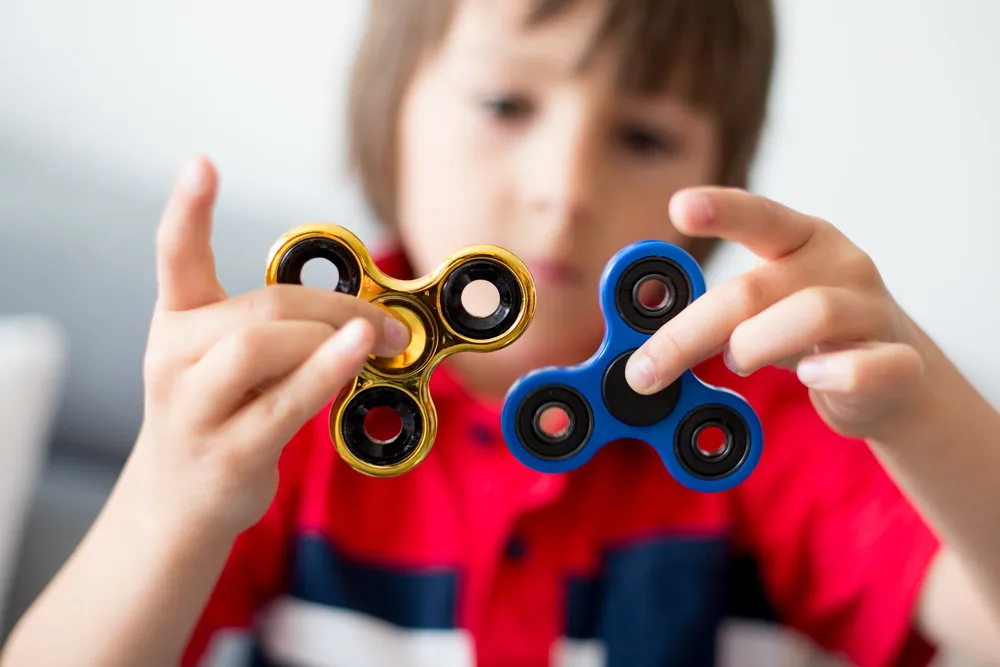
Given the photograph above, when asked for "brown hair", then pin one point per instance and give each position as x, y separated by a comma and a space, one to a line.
722, 49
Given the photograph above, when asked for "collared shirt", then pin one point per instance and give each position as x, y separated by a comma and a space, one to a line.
471, 559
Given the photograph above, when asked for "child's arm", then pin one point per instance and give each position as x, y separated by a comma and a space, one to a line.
129, 595
227, 383
944, 452
816, 303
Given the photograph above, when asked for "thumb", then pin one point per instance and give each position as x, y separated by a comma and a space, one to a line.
185, 263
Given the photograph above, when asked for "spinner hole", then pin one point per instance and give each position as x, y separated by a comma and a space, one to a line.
320, 273
553, 421
383, 425
712, 441
480, 298
653, 294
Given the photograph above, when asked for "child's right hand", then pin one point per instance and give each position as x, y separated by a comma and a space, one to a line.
228, 381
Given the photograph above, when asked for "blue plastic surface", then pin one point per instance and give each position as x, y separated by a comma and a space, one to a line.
586, 378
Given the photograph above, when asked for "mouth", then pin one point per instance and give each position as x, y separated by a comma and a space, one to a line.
554, 272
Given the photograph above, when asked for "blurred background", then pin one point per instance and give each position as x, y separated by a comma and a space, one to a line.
883, 121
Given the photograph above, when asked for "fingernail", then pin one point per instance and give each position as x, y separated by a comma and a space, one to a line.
813, 373
396, 333
640, 373
192, 178
727, 358
702, 208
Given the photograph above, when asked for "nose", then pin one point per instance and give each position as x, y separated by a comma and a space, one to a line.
560, 168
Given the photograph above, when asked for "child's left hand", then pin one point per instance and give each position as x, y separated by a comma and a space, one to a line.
815, 302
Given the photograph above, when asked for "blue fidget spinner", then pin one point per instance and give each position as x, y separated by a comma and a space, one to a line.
598, 407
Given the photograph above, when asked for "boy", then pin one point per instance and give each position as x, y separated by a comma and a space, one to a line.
562, 130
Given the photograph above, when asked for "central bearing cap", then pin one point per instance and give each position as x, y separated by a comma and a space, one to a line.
418, 351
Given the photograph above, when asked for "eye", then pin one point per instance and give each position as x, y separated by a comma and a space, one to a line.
647, 142
507, 107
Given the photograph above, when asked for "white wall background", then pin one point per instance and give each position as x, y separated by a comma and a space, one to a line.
884, 122
129, 90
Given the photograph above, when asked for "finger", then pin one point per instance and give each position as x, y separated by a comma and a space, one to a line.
185, 264
276, 303
245, 361
768, 229
703, 328
794, 326
271, 420
874, 369
791, 363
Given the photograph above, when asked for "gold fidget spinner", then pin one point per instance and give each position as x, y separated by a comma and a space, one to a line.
439, 323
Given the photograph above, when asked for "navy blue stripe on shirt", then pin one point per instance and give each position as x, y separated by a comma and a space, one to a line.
414, 599
656, 602
747, 596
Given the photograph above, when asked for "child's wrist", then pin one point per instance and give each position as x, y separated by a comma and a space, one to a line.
164, 523
931, 405
171, 548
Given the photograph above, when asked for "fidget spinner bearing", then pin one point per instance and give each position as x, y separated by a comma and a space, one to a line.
709, 438
440, 325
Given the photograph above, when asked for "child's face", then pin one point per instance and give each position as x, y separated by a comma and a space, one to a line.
504, 140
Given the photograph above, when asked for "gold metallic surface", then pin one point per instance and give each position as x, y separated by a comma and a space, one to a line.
417, 303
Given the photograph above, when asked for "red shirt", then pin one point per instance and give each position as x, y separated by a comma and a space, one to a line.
473, 559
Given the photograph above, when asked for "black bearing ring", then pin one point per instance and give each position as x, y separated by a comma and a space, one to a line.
733, 454
649, 320
500, 320
374, 452
320, 247
581, 422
